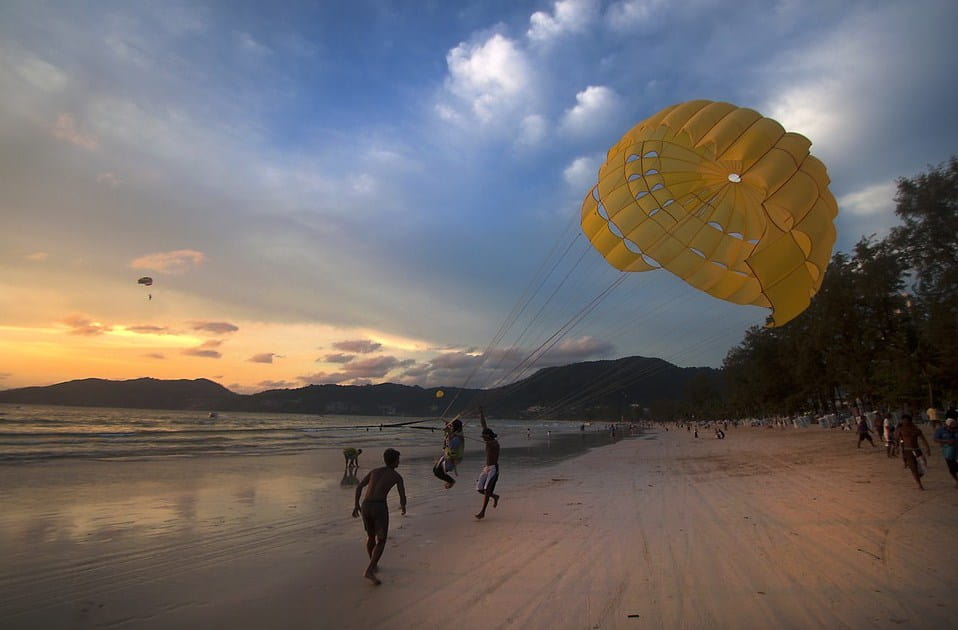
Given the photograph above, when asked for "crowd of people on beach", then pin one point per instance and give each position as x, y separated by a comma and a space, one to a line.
908, 439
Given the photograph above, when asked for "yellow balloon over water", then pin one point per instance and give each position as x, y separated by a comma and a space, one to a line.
722, 197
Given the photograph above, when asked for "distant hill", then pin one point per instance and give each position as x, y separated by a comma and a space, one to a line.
142, 393
588, 390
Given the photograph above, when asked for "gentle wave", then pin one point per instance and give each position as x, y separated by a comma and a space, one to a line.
35, 432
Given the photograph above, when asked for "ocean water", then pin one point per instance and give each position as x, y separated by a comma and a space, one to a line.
37, 432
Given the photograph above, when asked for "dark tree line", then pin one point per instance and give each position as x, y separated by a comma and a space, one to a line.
883, 329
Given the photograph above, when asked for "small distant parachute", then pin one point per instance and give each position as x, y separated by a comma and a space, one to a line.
146, 281
723, 198
440, 393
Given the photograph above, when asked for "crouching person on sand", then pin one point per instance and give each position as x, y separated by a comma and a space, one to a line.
374, 510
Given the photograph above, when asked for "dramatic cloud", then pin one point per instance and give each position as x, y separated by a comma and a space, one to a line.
501, 365
360, 346
216, 328
490, 77
358, 372
873, 200
151, 330
338, 358
85, 326
575, 350
634, 15
206, 350
455, 360
65, 128
202, 141
595, 107
569, 16
583, 173
175, 262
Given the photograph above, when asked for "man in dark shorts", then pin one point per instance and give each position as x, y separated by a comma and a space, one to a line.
486, 484
909, 435
374, 509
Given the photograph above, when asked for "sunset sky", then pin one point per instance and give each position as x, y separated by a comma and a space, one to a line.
365, 192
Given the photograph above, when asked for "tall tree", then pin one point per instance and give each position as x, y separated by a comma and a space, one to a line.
928, 240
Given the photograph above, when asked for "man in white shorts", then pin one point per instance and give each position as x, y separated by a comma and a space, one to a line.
486, 484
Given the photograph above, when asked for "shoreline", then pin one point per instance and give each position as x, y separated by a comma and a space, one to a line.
786, 528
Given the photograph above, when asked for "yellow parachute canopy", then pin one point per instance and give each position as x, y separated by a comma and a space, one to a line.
722, 197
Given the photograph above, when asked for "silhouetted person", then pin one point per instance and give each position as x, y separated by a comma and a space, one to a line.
374, 509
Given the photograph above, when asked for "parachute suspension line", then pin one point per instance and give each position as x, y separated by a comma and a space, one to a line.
535, 319
536, 354
563, 330
602, 387
602, 381
546, 268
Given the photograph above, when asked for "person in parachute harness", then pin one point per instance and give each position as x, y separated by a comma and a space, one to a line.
453, 448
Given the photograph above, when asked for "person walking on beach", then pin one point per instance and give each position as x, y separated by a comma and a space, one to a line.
374, 510
909, 435
864, 433
453, 448
486, 484
947, 437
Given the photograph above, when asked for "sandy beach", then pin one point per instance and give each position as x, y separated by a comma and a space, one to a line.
786, 528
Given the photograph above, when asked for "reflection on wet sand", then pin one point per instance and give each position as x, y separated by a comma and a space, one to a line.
73, 530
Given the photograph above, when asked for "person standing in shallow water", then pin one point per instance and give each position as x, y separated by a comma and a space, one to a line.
486, 484
374, 510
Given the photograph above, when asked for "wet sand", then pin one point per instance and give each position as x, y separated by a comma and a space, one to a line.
787, 528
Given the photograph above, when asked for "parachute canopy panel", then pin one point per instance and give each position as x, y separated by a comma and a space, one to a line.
145, 281
722, 197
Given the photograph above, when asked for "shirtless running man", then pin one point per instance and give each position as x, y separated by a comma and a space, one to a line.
374, 509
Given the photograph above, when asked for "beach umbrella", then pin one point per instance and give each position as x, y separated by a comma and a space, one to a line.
722, 197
